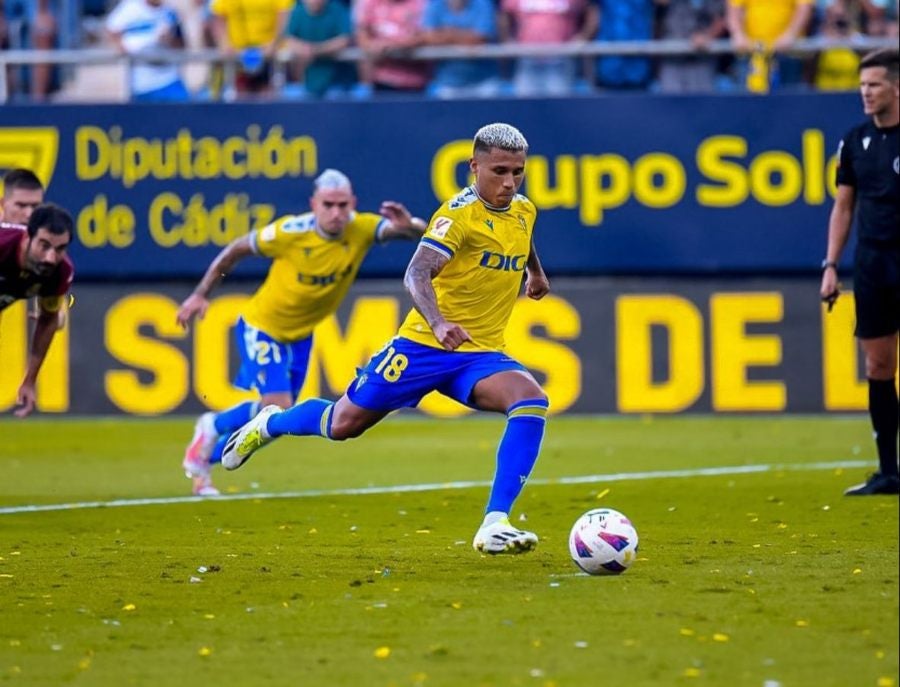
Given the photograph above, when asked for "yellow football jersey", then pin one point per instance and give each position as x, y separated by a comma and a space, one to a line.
478, 287
310, 275
250, 23
766, 20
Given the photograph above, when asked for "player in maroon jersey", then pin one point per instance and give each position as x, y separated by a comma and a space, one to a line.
33, 262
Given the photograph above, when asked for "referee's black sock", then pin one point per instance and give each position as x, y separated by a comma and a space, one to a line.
885, 413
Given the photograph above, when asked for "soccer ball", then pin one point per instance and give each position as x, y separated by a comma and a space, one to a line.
603, 542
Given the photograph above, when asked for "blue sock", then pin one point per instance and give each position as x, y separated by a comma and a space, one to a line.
234, 418
216, 455
310, 418
228, 421
518, 452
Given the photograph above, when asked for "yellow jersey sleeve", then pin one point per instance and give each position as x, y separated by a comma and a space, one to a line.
445, 233
274, 239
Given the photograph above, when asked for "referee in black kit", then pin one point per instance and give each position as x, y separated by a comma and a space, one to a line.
868, 179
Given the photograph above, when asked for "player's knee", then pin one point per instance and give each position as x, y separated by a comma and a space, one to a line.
536, 395
283, 401
344, 428
535, 398
880, 367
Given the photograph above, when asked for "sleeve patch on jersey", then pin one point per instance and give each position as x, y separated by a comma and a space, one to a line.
382, 227
439, 247
440, 226
267, 233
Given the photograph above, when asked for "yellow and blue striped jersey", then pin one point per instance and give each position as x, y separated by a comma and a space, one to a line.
487, 251
310, 275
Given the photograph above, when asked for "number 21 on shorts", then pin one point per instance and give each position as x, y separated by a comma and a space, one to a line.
265, 352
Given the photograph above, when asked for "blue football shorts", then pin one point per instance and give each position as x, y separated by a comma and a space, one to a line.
401, 373
268, 365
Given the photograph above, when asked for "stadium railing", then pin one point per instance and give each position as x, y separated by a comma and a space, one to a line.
655, 48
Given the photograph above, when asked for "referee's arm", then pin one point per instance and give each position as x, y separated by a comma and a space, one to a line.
839, 223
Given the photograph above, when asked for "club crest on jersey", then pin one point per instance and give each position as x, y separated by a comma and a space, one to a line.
490, 224
267, 233
440, 226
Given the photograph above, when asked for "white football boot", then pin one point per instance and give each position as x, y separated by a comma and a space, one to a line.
248, 439
196, 457
501, 537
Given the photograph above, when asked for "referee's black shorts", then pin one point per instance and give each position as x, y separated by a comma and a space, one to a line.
876, 288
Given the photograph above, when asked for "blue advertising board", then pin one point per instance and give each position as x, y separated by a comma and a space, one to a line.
627, 184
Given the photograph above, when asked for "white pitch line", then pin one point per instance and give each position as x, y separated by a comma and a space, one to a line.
437, 486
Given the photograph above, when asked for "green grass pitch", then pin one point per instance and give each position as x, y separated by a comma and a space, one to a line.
764, 579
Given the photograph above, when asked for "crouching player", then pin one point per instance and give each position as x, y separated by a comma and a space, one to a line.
34, 261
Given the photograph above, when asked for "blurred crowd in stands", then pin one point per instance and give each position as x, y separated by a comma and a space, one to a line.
307, 35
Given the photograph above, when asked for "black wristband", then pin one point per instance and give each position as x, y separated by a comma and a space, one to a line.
826, 264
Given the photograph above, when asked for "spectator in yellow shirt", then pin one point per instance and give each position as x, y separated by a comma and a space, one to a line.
250, 29
765, 28
837, 68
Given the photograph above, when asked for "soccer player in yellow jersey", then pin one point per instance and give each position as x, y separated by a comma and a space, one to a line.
464, 280
315, 258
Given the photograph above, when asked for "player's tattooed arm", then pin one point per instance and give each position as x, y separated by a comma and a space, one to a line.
536, 283
425, 265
